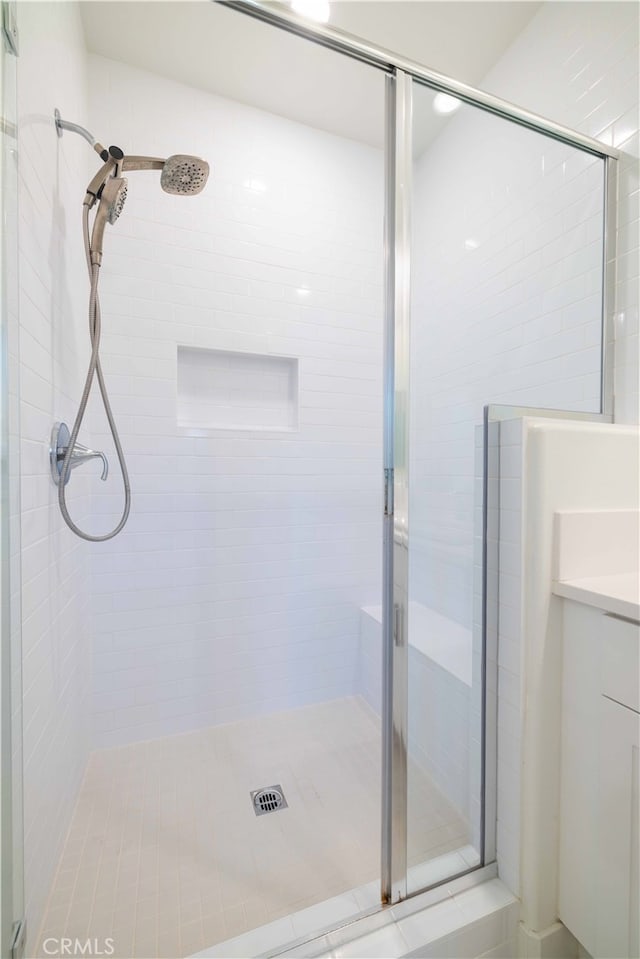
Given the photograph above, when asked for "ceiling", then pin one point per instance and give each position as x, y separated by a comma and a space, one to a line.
204, 45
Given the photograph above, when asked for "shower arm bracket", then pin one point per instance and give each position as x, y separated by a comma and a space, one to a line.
113, 153
62, 125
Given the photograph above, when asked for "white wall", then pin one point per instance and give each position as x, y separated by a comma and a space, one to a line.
55, 580
236, 586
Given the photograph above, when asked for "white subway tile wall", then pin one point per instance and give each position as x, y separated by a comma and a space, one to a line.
578, 63
507, 228
56, 586
236, 587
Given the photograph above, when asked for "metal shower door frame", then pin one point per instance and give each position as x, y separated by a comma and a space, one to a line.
395, 578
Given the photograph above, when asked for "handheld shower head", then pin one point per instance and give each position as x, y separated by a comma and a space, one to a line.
114, 195
112, 198
184, 175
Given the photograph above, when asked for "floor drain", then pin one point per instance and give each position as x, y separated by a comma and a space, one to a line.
268, 800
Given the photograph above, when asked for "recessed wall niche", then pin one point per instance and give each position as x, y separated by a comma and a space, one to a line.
221, 389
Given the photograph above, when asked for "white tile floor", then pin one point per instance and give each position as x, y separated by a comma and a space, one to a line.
166, 856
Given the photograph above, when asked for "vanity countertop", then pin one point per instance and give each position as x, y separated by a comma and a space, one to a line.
618, 594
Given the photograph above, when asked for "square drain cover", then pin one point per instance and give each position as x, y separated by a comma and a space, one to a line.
268, 799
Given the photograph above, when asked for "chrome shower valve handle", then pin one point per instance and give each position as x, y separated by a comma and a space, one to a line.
81, 454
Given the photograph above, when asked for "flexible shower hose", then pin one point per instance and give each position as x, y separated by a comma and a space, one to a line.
95, 369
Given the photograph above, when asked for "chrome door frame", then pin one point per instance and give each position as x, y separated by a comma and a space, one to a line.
12, 926
609, 253
395, 579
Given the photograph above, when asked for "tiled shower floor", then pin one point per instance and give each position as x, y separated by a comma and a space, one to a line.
166, 856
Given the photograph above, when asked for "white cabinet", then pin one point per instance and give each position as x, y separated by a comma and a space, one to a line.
618, 812
599, 841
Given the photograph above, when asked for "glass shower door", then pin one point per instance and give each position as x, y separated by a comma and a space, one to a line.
502, 302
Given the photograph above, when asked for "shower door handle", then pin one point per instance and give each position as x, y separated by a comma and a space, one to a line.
397, 625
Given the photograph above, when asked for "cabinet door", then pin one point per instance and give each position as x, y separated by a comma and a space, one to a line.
618, 812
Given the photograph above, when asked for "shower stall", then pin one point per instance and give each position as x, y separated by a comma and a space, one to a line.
272, 696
